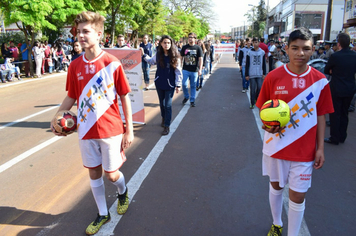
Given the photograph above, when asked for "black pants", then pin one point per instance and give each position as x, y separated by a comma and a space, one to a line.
339, 120
270, 61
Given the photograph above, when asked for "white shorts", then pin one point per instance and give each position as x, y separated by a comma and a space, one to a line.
106, 152
297, 174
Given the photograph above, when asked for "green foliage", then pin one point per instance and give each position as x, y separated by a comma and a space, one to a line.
257, 20
32, 16
16, 37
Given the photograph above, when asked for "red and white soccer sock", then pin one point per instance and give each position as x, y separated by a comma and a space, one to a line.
98, 190
120, 184
276, 204
295, 217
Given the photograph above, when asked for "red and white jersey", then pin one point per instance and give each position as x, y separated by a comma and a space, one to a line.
308, 96
96, 85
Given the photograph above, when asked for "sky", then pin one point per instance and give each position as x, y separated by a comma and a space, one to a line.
230, 13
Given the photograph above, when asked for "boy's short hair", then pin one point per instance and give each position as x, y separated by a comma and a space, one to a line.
301, 33
254, 39
344, 40
192, 34
120, 36
94, 18
247, 39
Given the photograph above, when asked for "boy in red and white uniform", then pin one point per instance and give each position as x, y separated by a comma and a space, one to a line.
95, 81
291, 152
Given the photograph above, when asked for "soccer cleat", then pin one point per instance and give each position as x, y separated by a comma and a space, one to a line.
244, 91
192, 104
252, 106
275, 230
94, 227
122, 203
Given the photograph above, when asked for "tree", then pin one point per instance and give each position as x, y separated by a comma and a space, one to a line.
199, 8
258, 22
144, 23
31, 16
121, 12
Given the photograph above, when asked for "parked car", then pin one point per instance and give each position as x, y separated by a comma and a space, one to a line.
318, 64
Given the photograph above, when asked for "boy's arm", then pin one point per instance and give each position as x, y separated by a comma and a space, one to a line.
128, 135
247, 68
264, 66
320, 132
200, 65
241, 56
67, 104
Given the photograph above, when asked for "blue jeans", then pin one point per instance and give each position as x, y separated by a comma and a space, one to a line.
245, 83
165, 104
193, 77
255, 88
146, 72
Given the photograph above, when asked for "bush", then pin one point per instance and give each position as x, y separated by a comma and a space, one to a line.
16, 37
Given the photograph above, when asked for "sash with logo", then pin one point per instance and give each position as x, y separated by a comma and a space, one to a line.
303, 118
96, 98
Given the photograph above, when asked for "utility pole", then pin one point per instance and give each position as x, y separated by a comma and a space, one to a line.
328, 20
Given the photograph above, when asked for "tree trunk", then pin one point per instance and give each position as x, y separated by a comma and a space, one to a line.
113, 17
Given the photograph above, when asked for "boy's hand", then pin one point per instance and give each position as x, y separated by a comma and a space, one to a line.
273, 129
54, 131
127, 140
319, 159
247, 78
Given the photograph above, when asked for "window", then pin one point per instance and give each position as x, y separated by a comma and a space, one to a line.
310, 21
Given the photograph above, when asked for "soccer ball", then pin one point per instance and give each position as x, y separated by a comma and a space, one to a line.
275, 112
65, 122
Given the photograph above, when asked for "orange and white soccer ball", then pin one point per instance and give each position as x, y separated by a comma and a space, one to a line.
65, 122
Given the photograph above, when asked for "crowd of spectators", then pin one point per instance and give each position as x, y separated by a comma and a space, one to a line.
46, 58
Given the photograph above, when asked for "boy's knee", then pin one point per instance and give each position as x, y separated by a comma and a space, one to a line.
112, 177
296, 197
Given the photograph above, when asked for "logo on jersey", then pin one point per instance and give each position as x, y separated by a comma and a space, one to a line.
304, 108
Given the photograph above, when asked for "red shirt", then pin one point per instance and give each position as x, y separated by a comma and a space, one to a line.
15, 52
96, 85
308, 96
264, 47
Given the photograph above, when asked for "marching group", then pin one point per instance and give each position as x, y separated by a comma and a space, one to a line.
285, 160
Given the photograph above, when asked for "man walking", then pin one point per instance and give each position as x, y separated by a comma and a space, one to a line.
341, 66
192, 61
255, 70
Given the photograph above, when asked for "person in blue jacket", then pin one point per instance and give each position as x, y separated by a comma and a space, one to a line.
168, 77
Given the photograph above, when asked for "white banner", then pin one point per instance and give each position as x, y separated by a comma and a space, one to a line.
131, 61
224, 48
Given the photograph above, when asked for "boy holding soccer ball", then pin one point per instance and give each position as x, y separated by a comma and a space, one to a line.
102, 136
290, 156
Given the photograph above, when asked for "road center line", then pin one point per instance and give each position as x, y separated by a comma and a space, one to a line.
28, 153
28, 117
143, 171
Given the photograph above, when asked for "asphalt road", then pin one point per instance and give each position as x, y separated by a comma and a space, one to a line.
203, 179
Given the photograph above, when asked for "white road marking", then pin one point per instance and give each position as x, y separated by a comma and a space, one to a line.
141, 174
28, 117
304, 231
28, 153
8, 84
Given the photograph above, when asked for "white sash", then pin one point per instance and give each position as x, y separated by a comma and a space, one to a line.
96, 98
304, 120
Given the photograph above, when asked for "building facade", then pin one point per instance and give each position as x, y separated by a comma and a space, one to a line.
291, 14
